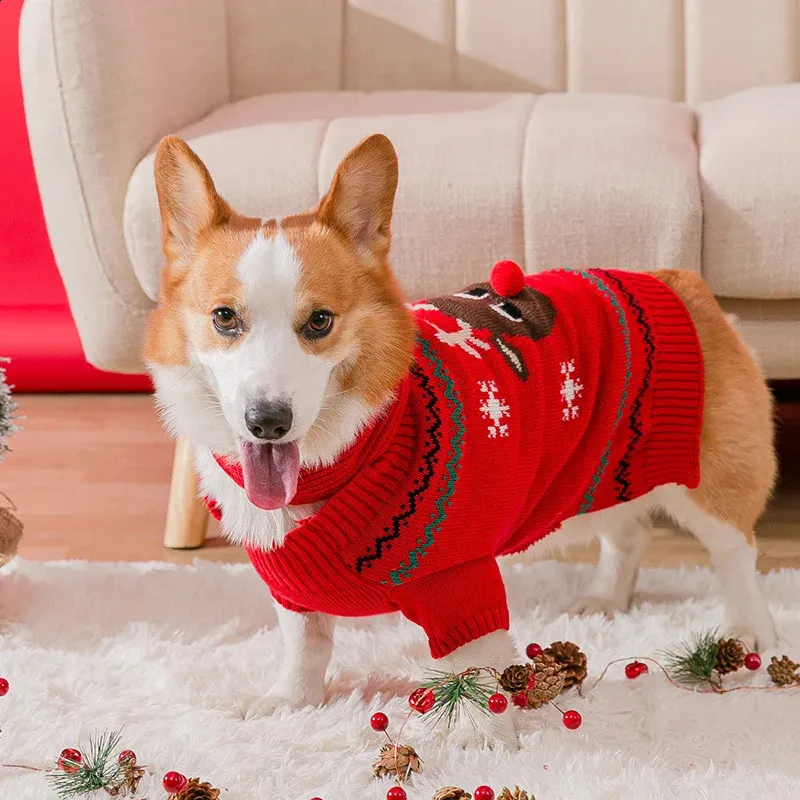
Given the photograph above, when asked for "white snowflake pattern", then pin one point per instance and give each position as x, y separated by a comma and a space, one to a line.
571, 388
495, 409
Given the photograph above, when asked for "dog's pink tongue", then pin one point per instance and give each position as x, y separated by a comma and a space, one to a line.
270, 473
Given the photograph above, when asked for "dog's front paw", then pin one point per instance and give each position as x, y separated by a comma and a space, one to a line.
491, 732
609, 606
285, 697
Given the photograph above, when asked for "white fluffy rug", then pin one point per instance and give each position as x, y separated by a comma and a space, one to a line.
177, 654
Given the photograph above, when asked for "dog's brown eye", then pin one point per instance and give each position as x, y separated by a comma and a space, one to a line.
225, 320
319, 324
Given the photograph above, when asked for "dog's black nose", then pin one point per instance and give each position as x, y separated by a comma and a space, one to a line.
269, 420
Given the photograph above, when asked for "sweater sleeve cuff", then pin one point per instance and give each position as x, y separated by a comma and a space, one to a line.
457, 605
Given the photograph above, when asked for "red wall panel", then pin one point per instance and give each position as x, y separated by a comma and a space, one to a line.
36, 327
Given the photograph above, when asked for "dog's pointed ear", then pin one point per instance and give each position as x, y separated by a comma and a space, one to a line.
360, 200
187, 198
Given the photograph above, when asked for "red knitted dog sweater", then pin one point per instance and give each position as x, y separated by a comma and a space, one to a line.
581, 391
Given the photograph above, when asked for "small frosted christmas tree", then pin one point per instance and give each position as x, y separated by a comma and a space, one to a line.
7, 412
10, 526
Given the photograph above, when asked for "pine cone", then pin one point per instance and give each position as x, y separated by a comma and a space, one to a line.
452, 793
783, 672
398, 762
198, 791
730, 656
516, 677
10, 535
549, 681
572, 661
517, 794
132, 776
546, 663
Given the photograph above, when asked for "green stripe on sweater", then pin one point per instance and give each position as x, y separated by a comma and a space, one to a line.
405, 569
588, 498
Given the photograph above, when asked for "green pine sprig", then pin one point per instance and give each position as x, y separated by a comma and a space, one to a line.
694, 662
459, 693
98, 770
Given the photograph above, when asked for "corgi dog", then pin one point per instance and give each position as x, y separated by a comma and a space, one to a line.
374, 455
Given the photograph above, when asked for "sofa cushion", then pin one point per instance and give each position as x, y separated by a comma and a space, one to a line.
750, 174
550, 181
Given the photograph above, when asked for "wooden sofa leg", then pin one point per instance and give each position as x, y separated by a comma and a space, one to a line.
187, 515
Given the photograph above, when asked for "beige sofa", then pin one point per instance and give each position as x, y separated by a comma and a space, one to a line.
554, 132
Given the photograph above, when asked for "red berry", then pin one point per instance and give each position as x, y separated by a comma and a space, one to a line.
635, 669
127, 755
752, 661
520, 700
70, 760
422, 700
507, 278
572, 720
174, 782
533, 650
498, 703
396, 793
484, 793
531, 682
3, 687
379, 722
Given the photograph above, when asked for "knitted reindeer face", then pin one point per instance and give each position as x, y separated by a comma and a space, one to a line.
526, 313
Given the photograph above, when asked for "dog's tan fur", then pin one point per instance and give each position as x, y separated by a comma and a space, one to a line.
737, 455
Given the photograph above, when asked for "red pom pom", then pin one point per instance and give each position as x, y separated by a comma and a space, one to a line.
498, 703
174, 782
3, 687
752, 661
507, 279
127, 755
396, 793
379, 722
422, 700
533, 650
520, 700
635, 669
70, 760
484, 793
572, 720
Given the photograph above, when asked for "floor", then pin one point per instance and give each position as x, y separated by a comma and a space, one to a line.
90, 476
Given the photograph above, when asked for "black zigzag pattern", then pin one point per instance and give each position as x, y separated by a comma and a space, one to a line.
622, 475
427, 469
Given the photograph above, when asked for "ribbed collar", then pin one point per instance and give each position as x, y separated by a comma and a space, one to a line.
317, 485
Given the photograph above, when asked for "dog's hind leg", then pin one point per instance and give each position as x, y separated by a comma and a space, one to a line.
623, 542
733, 553
737, 462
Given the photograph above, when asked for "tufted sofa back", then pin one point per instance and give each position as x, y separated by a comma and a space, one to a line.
691, 50
586, 159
